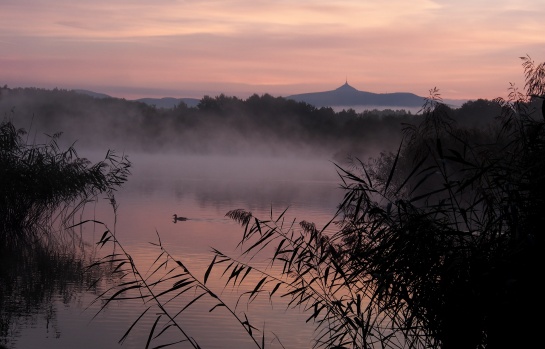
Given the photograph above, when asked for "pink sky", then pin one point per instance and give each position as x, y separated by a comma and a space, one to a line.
169, 48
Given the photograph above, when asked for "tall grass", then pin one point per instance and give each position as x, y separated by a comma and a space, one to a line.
42, 185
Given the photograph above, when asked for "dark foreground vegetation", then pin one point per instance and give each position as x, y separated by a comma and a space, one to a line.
42, 184
42, 189
438, 244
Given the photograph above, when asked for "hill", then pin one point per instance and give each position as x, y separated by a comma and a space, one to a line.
347, 95
166, 102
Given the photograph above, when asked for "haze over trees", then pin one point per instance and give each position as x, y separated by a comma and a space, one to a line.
223, 125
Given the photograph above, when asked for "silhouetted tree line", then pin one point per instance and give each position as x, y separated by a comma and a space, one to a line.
219, 124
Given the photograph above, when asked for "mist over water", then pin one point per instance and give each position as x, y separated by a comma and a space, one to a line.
231, 182
202, 188
227, 162
261, 126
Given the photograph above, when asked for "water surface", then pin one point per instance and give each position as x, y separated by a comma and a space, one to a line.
203, 189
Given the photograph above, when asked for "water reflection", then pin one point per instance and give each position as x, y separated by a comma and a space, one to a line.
198, 188
32, 279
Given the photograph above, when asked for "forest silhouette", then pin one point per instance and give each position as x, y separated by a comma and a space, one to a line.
218, 125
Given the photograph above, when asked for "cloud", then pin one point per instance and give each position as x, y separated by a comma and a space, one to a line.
163, 44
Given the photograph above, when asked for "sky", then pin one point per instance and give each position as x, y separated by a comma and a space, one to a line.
468, 49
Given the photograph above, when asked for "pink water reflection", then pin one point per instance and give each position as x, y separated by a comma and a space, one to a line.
203, 191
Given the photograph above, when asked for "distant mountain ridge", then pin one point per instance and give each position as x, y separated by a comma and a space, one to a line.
165, 102
347, 95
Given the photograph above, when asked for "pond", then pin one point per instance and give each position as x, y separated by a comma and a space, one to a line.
202, 189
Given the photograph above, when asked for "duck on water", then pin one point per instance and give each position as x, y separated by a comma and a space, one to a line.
176, 218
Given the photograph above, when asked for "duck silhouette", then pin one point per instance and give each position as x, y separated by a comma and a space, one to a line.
176, 218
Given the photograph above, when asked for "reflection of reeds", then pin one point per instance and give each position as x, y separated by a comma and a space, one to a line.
33, 277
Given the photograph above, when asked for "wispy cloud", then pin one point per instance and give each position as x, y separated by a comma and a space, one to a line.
466, 47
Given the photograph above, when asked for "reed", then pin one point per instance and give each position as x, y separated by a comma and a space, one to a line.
42, 185
167, 284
